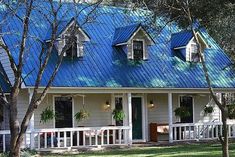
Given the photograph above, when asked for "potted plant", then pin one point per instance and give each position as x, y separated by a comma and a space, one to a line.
182, 112
82, 115
208, 110
231, 111
118, 114
47, 115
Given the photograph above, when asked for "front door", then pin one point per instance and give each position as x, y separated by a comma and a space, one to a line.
137, 118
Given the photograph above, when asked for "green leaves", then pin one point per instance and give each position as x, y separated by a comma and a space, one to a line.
82, 115
118, 114
47, 115
182, 112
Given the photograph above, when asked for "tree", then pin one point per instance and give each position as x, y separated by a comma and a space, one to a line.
217, 16
22, 12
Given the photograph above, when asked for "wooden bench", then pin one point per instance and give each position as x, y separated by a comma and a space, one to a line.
158, 129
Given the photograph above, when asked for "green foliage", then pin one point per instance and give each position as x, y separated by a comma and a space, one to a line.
231, 111
208, 110
182, 112
47, 115
118, 114
82, 115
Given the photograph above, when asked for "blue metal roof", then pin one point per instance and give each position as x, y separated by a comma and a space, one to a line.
105, 65
123, 34
181, 38
4, 82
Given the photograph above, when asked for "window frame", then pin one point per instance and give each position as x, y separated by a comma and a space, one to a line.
193, 106
54, 120
144, 51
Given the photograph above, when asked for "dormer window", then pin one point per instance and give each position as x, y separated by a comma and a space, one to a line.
133, 40
138, 49
185, 46
73, 35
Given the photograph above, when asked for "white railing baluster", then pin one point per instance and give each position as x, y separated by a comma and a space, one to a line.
107, 137
84, 138
45, 140
52, 139
180, 133
58, 139
4, 142
96, 138
102, 138
90, 138
65, 139
71, 139
212, 131
120, 136
114, 136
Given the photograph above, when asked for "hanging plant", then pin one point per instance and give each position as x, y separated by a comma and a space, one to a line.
182, 112
118, 114
82, 115
231, 111
47, 115
208, 110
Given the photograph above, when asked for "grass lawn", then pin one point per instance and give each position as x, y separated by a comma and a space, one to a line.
183, 150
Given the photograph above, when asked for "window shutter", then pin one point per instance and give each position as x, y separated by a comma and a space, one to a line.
129, 51
145, 56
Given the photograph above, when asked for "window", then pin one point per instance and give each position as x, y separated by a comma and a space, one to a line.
72, 50
187, 102
194, 53
63, 111
138, 49
118, 105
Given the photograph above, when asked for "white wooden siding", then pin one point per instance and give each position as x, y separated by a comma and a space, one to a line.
159, 114
6, 65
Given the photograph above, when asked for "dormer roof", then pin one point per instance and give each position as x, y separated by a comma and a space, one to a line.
123, 34
63, 26
181, 39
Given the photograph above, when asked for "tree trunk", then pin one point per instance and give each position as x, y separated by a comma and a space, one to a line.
14, 124
225, 135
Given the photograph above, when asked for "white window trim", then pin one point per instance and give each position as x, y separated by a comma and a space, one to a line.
179, 96
144, 51
73, 120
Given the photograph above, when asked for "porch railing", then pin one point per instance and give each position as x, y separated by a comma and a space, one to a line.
200, 131
71, 137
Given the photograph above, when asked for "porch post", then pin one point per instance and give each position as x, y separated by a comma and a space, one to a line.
31, 125
170, 117
129, 117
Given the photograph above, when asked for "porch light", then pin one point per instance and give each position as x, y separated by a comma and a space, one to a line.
151, 104
107, 104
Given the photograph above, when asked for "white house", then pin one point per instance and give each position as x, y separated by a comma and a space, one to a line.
119, 62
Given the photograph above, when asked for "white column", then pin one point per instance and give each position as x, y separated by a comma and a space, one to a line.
129, 104
31, 125
170, 117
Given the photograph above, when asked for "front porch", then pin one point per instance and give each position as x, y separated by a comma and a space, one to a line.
102, 130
